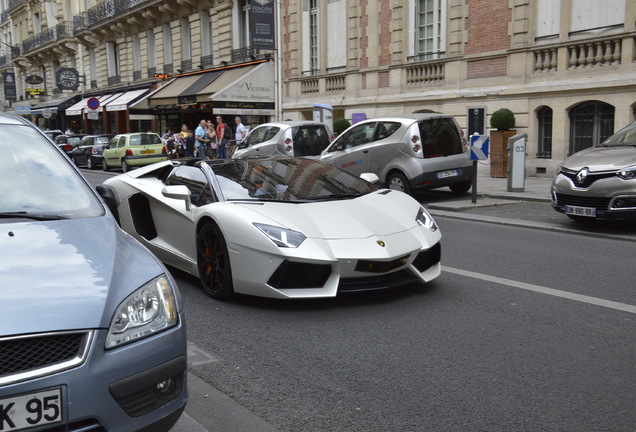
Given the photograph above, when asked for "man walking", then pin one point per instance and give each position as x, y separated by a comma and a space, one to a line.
221, 139
199, 135
239, 132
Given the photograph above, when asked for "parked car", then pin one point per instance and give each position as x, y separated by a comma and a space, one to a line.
53, 133
287, 138
68, 142
92, 334
89, 151
599, 182
133, 150
278, 227
408, 153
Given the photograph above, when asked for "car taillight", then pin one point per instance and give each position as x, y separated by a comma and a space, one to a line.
417, 148
129, 152
164, 150
288, 146
415, 139
68, 147
94, 150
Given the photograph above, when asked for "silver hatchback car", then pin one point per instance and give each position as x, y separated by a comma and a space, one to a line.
408, 153
92, 331
600, 181
287, 138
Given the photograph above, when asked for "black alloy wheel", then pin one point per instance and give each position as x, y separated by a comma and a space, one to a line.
213, 262
124, 166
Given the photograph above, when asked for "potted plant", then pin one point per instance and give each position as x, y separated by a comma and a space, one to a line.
503, 121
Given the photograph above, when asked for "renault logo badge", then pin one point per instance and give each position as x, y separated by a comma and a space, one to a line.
381, 243
580, 177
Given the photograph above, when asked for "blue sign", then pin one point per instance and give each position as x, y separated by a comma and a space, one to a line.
479, 147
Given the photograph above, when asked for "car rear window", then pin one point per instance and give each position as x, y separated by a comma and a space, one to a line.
309, 140
145, 139
440, 137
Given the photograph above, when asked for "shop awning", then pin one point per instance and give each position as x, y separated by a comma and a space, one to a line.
59, 103
169, 93
121, 103
250, 93
255, 80
81, 107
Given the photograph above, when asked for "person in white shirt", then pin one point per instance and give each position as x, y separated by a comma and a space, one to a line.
240, 130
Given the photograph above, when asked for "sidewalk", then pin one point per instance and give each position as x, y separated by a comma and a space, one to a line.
494, 191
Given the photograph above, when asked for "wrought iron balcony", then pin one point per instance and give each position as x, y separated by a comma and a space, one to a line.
54, 34
207, 61
243, 54
104, 12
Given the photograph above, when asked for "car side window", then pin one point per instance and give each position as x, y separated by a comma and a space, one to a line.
194, 179
358, 135
256, 137
386, 129
122, 142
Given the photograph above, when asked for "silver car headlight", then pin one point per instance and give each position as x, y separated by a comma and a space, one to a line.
426, 220
149, 310
628, 173
282, 237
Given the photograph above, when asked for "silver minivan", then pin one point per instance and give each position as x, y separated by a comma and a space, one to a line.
288, 138
409, 153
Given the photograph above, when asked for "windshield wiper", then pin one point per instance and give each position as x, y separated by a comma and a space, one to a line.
34, 216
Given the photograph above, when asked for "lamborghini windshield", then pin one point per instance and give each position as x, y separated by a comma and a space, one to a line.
287, 179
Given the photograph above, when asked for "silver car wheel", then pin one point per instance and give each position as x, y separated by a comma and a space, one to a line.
124, 166
397, 181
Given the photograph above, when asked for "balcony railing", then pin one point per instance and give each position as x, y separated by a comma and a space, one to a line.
597, 53
310, 86
243, 54
104, 12
207, 61
425, 73
60, 31
545, 60
335, 84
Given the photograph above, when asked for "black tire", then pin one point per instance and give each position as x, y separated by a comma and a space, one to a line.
90, 164
74, 158
397, 181
124, 166
461, 188
213, 262
105, 166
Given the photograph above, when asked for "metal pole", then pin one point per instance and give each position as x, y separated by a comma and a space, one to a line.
474, 200
279, 65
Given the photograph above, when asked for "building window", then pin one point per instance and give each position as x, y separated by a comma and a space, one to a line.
244, 24
430, 29
590, 124
314, 37
186, 40
206, 33
167, 46
136, 46
112, 58
544, 116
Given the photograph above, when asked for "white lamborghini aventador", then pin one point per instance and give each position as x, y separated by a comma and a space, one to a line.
278, 227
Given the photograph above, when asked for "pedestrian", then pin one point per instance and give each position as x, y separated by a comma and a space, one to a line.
189, 142
240, 130
179, 144
170, 146
221, 139
166, 135
211, 137
200, 137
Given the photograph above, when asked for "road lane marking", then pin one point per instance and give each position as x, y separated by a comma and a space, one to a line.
544, 290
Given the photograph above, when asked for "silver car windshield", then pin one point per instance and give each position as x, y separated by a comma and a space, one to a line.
624, 137
39, 182
297, 180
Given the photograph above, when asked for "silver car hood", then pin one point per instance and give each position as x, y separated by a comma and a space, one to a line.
67, 274
602, 158
380, 213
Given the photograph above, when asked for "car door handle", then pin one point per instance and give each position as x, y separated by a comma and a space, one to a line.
365, 151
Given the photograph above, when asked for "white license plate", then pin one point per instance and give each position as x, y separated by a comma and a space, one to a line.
449, 173
580, 211
30, 410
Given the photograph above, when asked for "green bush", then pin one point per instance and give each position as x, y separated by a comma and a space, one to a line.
339, 125
502, 119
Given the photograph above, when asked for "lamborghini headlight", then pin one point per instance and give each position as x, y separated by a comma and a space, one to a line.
426, 220
628, 173
282, 237
149, 310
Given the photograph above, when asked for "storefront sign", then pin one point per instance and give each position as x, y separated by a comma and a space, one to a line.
186, 100
262, 25
34, 79
162, 76
34, 91
10, 92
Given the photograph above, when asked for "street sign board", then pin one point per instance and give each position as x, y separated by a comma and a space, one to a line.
479, 147
93, 103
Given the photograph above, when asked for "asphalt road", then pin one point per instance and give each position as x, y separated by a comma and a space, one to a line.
529, 328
